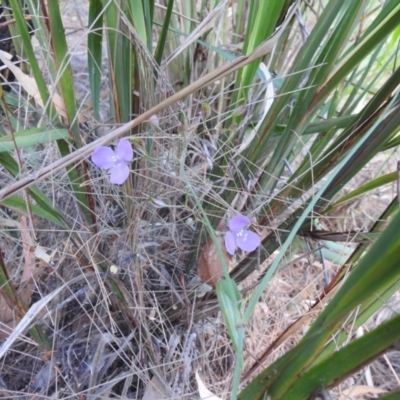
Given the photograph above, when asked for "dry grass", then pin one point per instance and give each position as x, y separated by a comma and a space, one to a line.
102, 348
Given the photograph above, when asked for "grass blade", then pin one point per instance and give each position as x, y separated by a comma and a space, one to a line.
347, 361
95, 40
164, 32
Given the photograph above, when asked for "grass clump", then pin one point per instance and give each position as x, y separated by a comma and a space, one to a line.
280, 115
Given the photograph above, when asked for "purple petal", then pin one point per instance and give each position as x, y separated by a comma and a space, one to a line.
236, 224
104, 157
124, 150
119, 173
230, 242
247, 240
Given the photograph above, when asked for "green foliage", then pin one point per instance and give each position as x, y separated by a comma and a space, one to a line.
285, 162
374, 274
95, 39
30, 137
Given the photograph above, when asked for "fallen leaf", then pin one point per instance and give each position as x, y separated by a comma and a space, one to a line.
30, 86
203, 391
41, 254
210, 269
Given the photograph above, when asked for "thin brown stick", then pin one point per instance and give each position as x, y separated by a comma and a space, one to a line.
13, 21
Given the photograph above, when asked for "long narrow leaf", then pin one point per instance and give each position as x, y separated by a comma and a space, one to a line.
375, 270
95, 39
30, 137
346, 361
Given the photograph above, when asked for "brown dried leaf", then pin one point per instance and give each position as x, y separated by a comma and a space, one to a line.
210, 269
30, 86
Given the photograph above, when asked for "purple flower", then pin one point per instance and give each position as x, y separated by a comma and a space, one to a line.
116, 162
237, 236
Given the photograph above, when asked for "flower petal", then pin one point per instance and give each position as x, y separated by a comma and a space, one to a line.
124, 150
230, 242
247, 240
119, 173
104, 157
236, 224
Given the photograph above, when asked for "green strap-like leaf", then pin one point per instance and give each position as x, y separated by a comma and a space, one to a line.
379, 268
30, 53
346, 361
31, 137
18, 204
95, 39
64, 71
363, 189
163, 35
